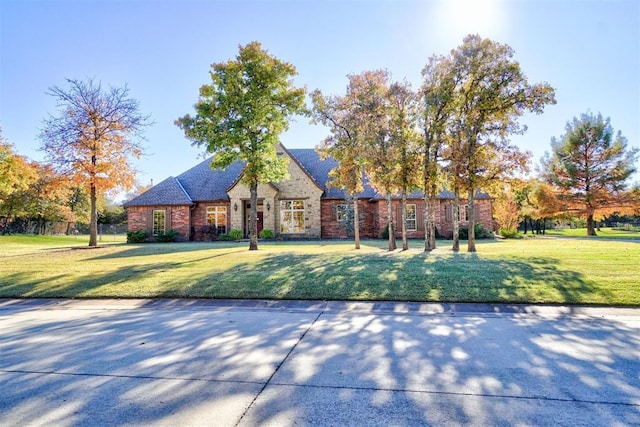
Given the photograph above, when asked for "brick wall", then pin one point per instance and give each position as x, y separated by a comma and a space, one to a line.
334, 229
374, 218
199, 219
176, 218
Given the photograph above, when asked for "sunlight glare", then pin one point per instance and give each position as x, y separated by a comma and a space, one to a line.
462, 17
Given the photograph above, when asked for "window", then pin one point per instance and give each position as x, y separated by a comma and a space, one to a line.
158, 222
217, 217
343, 213
410, 218
463, 212
291, 216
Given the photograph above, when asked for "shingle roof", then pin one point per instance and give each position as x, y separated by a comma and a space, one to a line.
319, 170
167, 193
201, 183
206, 184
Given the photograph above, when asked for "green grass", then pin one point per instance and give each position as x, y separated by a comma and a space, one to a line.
605, 233
20, 243
539, 270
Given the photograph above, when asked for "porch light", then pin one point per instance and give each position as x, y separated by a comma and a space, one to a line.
268, 206
235, 207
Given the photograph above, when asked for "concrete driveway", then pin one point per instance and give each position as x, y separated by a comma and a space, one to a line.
194, 362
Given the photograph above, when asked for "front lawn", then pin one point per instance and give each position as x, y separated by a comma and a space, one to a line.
540, 270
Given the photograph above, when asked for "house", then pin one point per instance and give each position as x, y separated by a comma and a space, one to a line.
202, 203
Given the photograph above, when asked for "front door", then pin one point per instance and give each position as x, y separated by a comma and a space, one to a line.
260, 222
260, 217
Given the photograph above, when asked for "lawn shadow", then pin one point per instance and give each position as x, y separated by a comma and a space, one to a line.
459, 278
333, 275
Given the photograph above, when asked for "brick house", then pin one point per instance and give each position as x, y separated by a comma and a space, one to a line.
203, 202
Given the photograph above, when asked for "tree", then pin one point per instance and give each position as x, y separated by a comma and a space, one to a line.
345, 144
404, 140
435, 110
16, 173
93, 138
537, 202
591, 165
369, 93
241, 114
491, 93
506, 210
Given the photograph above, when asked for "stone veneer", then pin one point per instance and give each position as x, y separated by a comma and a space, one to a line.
299, 186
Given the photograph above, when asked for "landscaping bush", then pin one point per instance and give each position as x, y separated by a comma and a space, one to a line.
169, 236
137, 236
234, 234
508, 234
480, 232
266, 234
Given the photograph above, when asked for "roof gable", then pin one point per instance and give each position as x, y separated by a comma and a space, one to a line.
203, 183
167, 193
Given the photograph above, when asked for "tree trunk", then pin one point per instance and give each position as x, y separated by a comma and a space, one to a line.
356, 222
405, 243
471, 221
456, 225
390, 226
427, 223
432, 218
591, 231
93, 220
253, 216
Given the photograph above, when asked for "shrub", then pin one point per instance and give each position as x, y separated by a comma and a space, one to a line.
385, 232
235, 234
266, 234
508, 234
168, 236
137, 236
480, 232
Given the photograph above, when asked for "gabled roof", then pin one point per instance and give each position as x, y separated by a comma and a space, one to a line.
201, 183
319, 169
167, 193
206, 184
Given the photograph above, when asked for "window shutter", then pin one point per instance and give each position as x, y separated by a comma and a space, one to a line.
150, 220
419, 217
399, 218
448, 212
476, 211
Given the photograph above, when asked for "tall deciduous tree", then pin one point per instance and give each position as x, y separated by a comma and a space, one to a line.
491, 93
93, 137
369, 92
16, 173
591, 165
404, 139
435, 110
241, 115
345, 145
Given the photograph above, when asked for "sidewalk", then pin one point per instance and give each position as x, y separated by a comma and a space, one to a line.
250, 362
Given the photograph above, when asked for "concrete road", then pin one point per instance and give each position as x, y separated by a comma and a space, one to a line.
193, 362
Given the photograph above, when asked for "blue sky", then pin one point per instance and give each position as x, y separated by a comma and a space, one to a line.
162, 49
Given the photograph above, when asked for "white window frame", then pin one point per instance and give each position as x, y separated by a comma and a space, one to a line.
289, 211
156, 230
408, 220
341, 212
215, 211
463, 211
